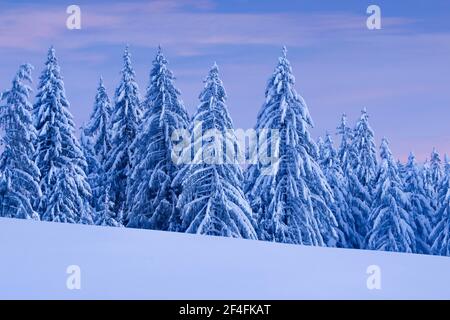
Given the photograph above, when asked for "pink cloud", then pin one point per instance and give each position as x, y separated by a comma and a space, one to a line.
168, 23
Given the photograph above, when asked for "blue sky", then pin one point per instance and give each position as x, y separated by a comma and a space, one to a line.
400, 73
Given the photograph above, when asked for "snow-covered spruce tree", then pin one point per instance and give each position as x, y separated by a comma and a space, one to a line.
63, 203
289, 195
152, 199
320, 148
432, 172
391, 225
104, 214
429, 186
345, 151
65, 190
348, 236
360, 171
102, 206
98, 126
435, 169
96, 143
93, 170
419, 204
212, 200
364, 163
401, 170
20, 176
440, 236
357, 195
124, 125
426, 172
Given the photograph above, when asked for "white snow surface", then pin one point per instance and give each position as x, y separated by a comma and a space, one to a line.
119, 263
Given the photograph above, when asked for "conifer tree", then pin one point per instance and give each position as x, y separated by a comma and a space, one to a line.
152, 198
401, 170
290, 195
104, 214
64, 185
96, 144
357, 195
93, 169
98, 126
212, 200
420, 204
345, 151
348, 236
19, 180
320, 148
124, 125
364, 162
360, 170
435, 169
391, 226
440, 237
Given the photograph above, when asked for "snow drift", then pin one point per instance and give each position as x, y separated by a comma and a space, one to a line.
118, 263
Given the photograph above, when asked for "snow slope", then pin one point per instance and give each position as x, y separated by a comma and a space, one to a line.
137, 264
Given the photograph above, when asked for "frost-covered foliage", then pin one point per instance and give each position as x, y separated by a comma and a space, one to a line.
345, 151
137, 165
320, 148
401, 170
364, 162
63, 203
429, 187
104, 213
65, 190
391, 225
19, 179
419, 203
359, 155
93, 166
98, 126
151, 197
440, 237
358, 197
124, 125
290, 197
435, 169
348, 236
212, 201
96, 144
433, 174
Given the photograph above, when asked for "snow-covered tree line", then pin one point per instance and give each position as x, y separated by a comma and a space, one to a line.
126, 168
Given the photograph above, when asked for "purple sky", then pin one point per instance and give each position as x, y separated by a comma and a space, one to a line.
400, 73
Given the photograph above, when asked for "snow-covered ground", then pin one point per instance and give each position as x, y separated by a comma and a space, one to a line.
141, 264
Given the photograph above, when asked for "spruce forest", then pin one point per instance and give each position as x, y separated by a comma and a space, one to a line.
120, 172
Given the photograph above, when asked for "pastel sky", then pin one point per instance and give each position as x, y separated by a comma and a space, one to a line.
400, 73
